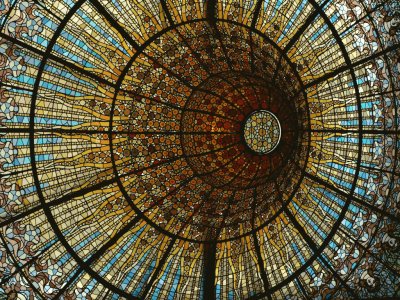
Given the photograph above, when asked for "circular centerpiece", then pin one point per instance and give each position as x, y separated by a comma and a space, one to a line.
262, 131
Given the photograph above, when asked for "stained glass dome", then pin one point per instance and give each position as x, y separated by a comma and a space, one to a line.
219, 149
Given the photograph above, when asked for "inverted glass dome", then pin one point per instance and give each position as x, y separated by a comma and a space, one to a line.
219, 149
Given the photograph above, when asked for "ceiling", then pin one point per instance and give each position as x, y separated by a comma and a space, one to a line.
211, 149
